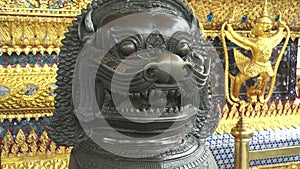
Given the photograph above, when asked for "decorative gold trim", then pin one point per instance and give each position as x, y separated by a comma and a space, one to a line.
29, 113
21, 101
60, 161
33, 152
36, 25
25, 29
216, 34
295, 165
262, 117
32, 34
39, 12
277, 152
33, 5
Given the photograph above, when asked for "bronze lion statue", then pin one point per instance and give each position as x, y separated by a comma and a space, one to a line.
133, 88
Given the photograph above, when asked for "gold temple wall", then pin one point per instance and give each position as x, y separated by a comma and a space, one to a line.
237, 9
31, 27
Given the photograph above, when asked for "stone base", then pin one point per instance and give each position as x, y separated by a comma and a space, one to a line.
200, 158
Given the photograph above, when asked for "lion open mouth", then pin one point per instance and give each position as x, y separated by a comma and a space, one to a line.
150, 103
127, 92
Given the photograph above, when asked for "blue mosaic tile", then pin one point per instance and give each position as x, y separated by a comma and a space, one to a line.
26, 127
31, 59
272, 161
222, 146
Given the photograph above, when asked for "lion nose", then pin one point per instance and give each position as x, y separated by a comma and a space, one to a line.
167, 69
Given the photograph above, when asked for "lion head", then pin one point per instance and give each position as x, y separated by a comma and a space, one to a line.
137, 69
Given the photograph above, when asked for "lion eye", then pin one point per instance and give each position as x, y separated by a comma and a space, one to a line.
183, 49
127, 48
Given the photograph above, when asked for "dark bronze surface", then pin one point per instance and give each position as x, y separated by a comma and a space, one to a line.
159, 42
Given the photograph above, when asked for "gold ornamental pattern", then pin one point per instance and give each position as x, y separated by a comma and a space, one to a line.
244, 13
43, 4
28, 90
33, 152
261, 116
36, 25
25, 34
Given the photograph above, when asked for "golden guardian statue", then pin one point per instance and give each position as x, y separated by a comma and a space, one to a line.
260, 42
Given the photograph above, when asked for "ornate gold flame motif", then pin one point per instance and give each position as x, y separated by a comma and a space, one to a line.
35, 25
31, 34
33, 152
281, 115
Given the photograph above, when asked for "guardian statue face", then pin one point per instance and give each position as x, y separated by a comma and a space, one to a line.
133, 77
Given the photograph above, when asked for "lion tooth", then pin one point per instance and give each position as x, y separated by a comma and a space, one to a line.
176, 110
132, 110
144, 111
137, 94
173, 109
167, 110
151, 111
137, 111
159, 111
122, 110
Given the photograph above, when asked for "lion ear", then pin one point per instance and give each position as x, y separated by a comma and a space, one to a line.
86, 27
89, 26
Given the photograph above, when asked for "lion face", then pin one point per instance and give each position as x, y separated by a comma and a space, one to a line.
150, 73
139, 72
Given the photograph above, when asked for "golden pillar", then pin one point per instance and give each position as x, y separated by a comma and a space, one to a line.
260, 42
242, 134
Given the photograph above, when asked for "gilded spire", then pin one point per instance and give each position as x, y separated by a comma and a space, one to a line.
264, 18
265, 11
